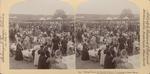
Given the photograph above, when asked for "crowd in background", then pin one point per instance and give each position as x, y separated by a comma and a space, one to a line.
112, 45
45, 45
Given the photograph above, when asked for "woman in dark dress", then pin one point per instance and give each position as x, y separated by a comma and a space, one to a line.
19, 55
79, 35
47, 54
130, 46
44, 55
85, 53
64, 46
55, 44
110, 54
122, 42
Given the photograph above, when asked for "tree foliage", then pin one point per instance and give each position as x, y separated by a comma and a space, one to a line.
127, 13
59, 14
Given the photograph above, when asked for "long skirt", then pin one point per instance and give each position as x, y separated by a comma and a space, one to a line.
64, 50
42, 64
108, 64
19, 55
36, 58
130, 50
102, 57
85, 55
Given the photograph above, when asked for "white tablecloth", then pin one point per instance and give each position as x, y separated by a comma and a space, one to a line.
134, 60
69, 61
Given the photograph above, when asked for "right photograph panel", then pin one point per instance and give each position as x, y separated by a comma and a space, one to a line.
107, 35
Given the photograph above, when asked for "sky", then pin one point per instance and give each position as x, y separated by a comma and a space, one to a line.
48, 7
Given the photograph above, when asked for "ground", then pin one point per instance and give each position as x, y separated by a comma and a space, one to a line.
87, 64
29, 65
21, 64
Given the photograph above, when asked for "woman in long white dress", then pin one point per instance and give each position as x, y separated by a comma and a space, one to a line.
102, 55
36, 57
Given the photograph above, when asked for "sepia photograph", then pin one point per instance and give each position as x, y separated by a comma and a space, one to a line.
107, 35
41, 35
103, 34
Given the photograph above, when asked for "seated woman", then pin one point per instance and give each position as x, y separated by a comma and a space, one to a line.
122, 61
79, 49
58, 61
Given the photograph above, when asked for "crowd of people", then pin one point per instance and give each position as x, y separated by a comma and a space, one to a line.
46, 46
112, 45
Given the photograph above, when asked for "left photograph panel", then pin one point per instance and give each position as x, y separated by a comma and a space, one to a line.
41, 35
